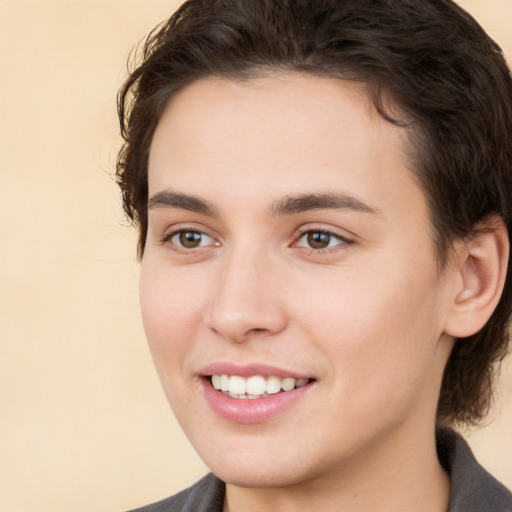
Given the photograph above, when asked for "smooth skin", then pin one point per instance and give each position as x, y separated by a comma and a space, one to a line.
345, 289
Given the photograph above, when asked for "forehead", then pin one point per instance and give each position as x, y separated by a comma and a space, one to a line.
278, 135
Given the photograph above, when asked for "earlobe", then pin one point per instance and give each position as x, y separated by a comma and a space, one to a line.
481, 268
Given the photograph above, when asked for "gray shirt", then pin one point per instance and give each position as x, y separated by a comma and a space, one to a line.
472, 488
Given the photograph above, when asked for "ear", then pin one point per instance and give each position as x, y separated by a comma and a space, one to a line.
480, 271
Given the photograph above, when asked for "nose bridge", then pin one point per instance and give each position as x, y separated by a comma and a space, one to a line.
247, 302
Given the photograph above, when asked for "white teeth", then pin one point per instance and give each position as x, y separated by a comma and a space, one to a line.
288, 384
255, 386
273, 385
237, 385
224, 383
216, 381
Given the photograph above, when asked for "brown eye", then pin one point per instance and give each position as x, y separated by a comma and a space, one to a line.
318, 239
188, 239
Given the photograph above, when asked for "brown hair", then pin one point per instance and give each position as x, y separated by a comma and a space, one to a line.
447, 77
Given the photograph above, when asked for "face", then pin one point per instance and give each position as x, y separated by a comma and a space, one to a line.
289, 263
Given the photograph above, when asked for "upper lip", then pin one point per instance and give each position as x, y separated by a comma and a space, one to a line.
248, 370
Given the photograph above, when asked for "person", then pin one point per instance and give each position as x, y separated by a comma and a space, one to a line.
323, 193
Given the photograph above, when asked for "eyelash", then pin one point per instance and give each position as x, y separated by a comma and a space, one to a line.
168, 238
306, 232
303, 233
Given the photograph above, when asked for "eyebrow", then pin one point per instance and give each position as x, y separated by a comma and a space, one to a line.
293, 204
182, 201
300, 203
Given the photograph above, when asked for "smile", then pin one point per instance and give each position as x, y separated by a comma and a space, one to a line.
255, 386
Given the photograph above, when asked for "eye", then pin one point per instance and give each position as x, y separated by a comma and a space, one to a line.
318, 240
190, 239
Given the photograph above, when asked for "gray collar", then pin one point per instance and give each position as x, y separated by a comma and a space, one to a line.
472, 488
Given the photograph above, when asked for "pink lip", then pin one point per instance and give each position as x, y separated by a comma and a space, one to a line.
248, 370
248, 411
251, 411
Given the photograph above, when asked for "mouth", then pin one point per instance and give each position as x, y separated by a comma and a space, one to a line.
253, 393
255, 386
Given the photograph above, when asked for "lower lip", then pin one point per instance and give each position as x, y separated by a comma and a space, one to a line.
255, 410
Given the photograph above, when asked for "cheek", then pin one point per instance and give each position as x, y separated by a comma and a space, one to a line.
171, 312
379, 333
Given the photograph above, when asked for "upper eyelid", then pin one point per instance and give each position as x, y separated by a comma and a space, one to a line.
172, 229
343, 241
329, 233
336, 232
171, 234
344, 235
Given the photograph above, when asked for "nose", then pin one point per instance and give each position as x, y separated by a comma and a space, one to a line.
248, 302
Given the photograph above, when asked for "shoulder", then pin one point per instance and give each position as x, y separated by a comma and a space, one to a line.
473, 489
207, 495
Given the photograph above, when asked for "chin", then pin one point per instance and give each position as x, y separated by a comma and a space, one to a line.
262, 476
262, 467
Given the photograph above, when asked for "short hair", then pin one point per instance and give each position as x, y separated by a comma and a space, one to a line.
429, 58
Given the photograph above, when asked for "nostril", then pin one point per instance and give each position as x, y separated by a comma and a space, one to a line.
255, 332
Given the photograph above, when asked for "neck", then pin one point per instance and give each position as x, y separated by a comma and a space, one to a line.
392, 477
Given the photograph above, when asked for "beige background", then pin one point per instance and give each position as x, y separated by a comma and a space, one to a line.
83, 422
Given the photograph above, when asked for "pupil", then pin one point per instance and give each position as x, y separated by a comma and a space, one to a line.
190, 239
318, 240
